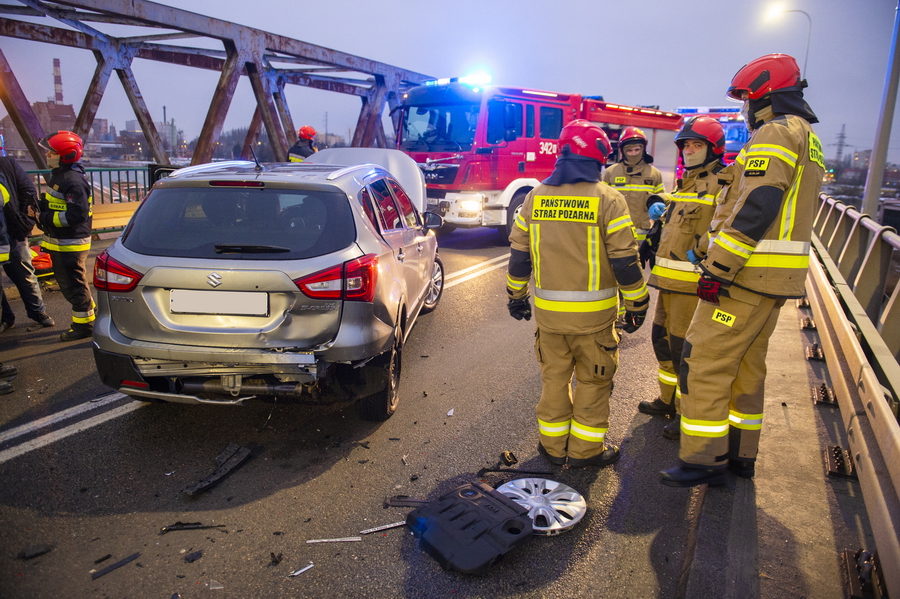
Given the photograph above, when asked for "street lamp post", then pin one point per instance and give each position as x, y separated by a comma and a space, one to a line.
808, 36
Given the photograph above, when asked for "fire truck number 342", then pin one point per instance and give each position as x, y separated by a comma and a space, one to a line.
548, 147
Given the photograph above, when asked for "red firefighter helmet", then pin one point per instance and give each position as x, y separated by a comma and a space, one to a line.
704, 128
585, 139
766, 74
632, 134
306, 132
65, 143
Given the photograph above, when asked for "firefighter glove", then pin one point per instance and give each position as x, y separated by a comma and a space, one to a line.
693, 258
656, 210
708, 289
647, 254
633, 320
520, 308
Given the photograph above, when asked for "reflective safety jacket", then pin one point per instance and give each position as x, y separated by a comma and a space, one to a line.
576, 240
66, 210
725, 202
304, 148
636, 183
764, 243
685, 223
4, 232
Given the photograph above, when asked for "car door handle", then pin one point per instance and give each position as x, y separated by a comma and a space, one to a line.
401, 256
420, 248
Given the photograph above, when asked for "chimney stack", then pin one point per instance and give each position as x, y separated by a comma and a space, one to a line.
57, 81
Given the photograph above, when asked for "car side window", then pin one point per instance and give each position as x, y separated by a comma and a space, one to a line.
406, 207
385, 203
366, 201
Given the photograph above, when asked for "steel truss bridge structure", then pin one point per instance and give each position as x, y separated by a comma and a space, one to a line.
270, 61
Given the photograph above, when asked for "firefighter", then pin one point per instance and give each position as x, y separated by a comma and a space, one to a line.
305, 146
574, 236
65, 217
7, 370
757, 260
701, 144
635, 177
16, 185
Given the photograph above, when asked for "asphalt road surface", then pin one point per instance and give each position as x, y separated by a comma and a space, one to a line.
90, 475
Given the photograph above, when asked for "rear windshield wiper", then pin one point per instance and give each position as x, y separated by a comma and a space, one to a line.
228, 248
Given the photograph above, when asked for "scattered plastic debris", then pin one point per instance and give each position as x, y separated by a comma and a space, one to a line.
301, 570
112, 567
215, 585
413, 477
343, 540
404, 501
35, 551
383, 527
187, 526
276, 559
509, 458
231, 457
393, 438
170, 473
192, 557
450, 413
103, 559
405, 460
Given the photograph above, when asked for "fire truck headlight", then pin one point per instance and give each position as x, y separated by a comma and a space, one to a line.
470, 206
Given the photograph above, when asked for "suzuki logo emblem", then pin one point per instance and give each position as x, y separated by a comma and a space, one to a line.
214, 280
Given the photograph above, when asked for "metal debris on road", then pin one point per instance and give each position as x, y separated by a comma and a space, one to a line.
405, 460
118, 564
383, 527
35, 551
301, 570
187, 526
511, 471
192, 557
231, 457
509, 458
404, 501
343, 540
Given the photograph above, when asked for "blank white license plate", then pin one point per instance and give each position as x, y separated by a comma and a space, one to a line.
242, 303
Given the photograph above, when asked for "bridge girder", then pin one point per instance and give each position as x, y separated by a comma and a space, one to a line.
246, 52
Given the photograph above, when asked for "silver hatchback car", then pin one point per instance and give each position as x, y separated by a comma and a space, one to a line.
234, 280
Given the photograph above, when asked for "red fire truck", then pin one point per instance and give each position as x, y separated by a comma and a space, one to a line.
736, 132
483, 148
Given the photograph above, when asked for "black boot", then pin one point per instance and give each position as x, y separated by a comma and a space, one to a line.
557, 461
688, 476
673, 429
657, 407
77, 332
8, 370
609, 455
742, 468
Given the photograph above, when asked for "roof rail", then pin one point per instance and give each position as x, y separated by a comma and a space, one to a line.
199, 168
349, 169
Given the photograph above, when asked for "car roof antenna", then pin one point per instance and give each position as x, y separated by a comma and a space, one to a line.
259, 166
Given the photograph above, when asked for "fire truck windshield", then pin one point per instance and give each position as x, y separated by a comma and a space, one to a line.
447, 127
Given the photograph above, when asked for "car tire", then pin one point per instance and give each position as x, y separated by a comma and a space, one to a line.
435, 286
515, 206
381, 405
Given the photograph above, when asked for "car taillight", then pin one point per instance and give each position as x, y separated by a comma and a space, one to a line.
352, 281
110, 275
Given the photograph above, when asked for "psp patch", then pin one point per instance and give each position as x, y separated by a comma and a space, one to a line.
620, 180
756, 167
723, 318
579, 209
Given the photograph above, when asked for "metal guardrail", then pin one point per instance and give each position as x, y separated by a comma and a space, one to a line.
853, 292
117, 192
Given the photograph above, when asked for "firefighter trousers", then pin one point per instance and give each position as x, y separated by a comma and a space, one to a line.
722, 379
575, 424
69, 271
671, 320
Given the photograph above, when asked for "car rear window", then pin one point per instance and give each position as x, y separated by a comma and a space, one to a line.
249, 224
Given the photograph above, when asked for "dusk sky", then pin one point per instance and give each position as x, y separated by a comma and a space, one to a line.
647, 52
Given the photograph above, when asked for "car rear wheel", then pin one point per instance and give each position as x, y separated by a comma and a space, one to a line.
386, 367
435, 286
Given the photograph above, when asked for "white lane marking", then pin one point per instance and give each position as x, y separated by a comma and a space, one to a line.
58, 417
47, 439
459, 276
478, 266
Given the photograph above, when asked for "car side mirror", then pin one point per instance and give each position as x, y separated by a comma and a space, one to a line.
433, 221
